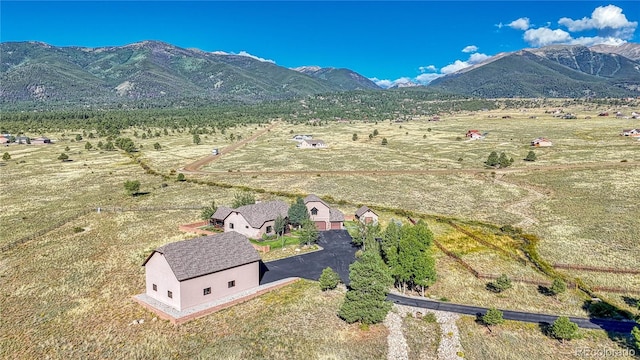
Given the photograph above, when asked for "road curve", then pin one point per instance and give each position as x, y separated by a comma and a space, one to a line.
585, 323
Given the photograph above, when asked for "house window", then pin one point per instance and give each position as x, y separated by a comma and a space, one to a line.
230, 225
170, 294
231, 283
269, 229
206, 291
155, 287
314, 211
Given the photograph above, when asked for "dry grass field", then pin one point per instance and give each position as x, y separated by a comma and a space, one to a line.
514, 341
67, 294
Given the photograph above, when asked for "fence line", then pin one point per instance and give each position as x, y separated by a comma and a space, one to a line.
597, 269
478, 275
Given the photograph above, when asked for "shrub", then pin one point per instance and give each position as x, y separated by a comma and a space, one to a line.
430, 318
78, 229
564, 329
531, 156
132, 187
63, 157
181, 177
329, 279
384, 141
501, 284
493, 317
6, 156
558, 286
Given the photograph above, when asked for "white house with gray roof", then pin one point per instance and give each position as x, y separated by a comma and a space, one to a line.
188, 273
252, 220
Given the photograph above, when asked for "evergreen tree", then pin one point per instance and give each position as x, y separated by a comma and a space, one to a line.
492, 160
369, 284
181, 177
503, 161
6, 156
558, 286
88, 146
636, 336
132, 186
78, 137
564, 329
298, 212
354, 137
493, 317
384, 141
196, 139
501, 284
63, 157
109, 146
375, 132
329, 279
308, 233
157, 146
531, 156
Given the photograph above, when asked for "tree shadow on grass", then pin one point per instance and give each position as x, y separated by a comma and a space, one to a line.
633, 302
544, 290
140, 193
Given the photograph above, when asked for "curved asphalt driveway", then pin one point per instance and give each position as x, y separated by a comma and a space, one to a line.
338, 253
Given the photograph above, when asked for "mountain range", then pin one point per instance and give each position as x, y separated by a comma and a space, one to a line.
38, 73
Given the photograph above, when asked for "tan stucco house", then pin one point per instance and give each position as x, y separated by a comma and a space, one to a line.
366, 215
188, 273
253, 220
324, 216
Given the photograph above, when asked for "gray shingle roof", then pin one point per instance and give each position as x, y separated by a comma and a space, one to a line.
221, 213
312, 197
335, 215
208, 254
258, 214
362, 210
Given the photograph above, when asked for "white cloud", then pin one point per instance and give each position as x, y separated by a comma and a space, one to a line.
470, 49
519, 24
384, 83
430, 68
478, 57
424, 79
459, 64
545, 36
603, 17
590, 41
499, 26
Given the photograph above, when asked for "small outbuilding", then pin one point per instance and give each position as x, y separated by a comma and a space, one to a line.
541, 142
188, 273
366, 215
474, 134
312, 144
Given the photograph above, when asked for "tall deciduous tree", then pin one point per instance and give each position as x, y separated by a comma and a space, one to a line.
243, 198
279, 225
369, 284
298, 212
207, 211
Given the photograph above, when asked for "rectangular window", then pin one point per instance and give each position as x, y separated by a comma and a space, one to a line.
170, 294
155, 287
231, 283
314, 211
269, 229
230, 225
206, 291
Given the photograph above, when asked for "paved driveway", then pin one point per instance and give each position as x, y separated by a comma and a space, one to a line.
338, 254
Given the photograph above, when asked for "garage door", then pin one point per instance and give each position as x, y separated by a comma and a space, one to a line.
321, 225
336, 225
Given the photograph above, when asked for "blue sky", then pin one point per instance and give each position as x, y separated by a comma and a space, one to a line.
386, 41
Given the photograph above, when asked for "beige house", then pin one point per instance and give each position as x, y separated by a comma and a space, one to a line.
311, 144
366, 215
324, 216
631, 132
541, 142
188, 273
253, 220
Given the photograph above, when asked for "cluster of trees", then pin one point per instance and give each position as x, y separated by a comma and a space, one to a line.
501, 161
401, 257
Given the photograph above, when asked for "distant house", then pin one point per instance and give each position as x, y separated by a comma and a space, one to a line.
22, 140
631, 132
301, 137
215, 151
4, 140
603, 114
541, 142
324, 216
252, 220
474, 134
40, 141
188, 273
366, 215
311, 144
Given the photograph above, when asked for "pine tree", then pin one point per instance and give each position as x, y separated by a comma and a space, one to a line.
636, 335
557, 287
493, 317
298, 212
369, 284
384, 141
329, 279
564, 329
308, 233
6, 156
531, 156
492, 160
354, 137
279, 225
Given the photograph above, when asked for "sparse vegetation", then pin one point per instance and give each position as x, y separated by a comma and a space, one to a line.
63, 157
132, 187
209, 210
329, 279
243, 198
501, 284
493, 317
564, 329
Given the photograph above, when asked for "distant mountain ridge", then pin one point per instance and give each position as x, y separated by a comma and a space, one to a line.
35, 71
553, 71
345, 79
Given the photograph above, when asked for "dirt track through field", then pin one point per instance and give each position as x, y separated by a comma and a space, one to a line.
196, 165
195, 168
